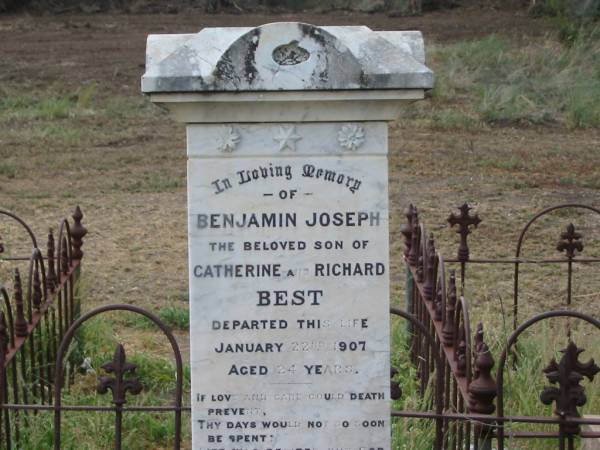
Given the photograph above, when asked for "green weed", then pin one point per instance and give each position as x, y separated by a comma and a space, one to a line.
180, 296
96, 340
503, 162
524, 381
504, 83
127, 107
175, 317
441, 118
31, 107
137, 321
151, 183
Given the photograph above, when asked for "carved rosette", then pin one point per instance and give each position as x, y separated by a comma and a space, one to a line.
351, 136
228, 139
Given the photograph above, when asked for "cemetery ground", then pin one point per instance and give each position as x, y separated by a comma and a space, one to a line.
512, 127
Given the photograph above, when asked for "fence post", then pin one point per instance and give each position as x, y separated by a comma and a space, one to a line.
407, 230
482, 390
410, 286
78, 232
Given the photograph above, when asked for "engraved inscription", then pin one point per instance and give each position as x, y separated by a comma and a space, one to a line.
289, 301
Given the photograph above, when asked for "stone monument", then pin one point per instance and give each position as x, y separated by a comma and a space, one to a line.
288, 226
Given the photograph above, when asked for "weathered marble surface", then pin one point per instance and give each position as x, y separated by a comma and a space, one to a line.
327, 385
286, 56
286, 106
234, 140
285, 124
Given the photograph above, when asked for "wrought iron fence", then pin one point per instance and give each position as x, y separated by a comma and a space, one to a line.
454, 364
471, 399
34, 317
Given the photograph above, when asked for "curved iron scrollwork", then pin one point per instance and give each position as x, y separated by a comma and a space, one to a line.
570, 242
22, 223
123, 381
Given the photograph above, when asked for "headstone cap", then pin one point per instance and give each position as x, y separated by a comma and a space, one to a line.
285, 56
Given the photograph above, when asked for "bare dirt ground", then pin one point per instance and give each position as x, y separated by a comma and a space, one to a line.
123, 161
110, 49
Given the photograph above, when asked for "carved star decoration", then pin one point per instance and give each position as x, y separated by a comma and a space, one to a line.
287, 137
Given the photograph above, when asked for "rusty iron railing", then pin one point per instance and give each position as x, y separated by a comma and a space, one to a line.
467, 398
120, 380
34, 317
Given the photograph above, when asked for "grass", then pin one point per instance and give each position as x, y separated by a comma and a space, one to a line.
91, 431
177, 318
57, 104
523, 384
80, 430
489, 293
151, 183
8, 170
498, 81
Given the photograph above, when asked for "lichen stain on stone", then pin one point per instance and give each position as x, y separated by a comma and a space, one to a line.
225, 70
250, 71
332, 65
364, 79
312, 32
236, 69
323, 76
285, 56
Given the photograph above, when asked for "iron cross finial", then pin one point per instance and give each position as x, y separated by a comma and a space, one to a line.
464, 221
568, 373
570, 242
118, 384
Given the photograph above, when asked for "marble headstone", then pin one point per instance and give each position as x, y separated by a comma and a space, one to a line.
288, 227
